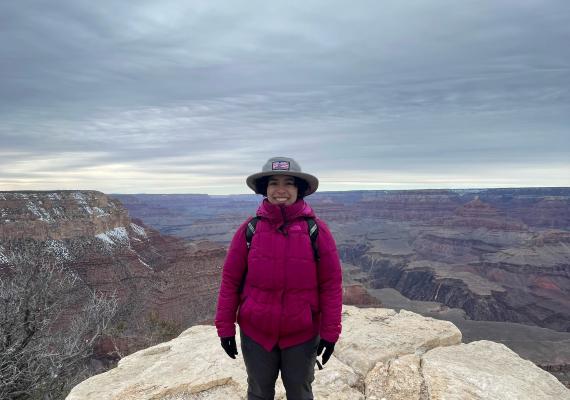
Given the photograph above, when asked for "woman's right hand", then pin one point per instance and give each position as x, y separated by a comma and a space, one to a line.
229, 345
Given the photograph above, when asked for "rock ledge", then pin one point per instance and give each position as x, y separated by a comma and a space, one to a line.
382, 354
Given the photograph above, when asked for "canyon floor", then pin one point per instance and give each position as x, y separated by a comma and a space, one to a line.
548, 344
540, 345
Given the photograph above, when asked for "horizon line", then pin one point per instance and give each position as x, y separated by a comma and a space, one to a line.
318, 192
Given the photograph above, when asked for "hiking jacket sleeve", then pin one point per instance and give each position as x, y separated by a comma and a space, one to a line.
330, 284
232, 274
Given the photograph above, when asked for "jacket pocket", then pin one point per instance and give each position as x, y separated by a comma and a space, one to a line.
297, 322
242, 311
255, 315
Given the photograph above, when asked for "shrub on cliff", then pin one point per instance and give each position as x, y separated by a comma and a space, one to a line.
159, 330
49, 323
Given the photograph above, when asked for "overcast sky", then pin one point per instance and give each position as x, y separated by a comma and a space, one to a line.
184, 96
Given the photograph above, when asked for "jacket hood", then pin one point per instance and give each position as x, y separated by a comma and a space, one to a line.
280, 213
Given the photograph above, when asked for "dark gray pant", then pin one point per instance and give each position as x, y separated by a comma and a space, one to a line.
297, 366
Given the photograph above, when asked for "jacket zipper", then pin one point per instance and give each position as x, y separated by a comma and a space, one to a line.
282, 226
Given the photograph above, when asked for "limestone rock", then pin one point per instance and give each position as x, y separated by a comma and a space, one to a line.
182, 368
371, 335
337, 381
381, 355
397, 379
194, 364
480, 370
486, 370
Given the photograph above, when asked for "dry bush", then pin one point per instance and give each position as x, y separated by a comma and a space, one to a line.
49, 323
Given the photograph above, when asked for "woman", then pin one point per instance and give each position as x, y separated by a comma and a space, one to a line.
287, 286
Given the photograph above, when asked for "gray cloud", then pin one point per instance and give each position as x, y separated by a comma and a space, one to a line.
211, 89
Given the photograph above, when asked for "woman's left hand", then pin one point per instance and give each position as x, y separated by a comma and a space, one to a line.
328, 347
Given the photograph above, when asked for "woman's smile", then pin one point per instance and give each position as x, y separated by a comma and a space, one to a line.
281, 189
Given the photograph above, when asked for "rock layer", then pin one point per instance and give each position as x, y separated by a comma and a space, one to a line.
499, 254
163, 284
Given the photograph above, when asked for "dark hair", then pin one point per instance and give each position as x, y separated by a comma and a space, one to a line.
300, 184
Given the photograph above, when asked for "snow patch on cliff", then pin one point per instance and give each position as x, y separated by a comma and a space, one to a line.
117, 236
145, 264
58, 249
139, 230
80, 197
99, 212
3, 258
39, 212
59, 212
105, 238
82, 202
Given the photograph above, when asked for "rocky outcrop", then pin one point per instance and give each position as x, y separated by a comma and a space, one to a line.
58, 215
381, 354
478, 214
478, 370
163, 283
356, 294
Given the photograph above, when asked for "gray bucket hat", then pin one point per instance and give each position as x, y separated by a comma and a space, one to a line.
283, 166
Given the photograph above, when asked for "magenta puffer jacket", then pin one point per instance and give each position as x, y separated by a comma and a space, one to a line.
288, 298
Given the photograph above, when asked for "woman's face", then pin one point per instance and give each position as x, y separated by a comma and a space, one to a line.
281, 189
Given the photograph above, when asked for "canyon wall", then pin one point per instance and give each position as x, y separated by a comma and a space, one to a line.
164, 284
500, 255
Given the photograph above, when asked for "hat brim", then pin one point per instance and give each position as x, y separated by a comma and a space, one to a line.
312, 181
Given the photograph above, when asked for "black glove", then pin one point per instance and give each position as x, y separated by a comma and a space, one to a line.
329, 348
229, 345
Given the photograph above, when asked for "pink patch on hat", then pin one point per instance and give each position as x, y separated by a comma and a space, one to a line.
280, 166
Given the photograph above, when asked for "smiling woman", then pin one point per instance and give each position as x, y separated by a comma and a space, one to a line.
284, 284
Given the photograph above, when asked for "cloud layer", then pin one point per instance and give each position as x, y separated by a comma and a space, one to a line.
194, 96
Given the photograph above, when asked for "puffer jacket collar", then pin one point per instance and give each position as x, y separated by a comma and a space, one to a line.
279, 214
